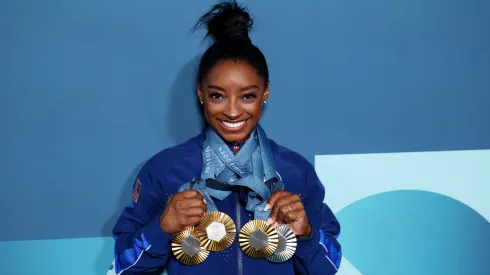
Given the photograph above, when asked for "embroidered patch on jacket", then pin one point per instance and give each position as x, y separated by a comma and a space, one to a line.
136, 191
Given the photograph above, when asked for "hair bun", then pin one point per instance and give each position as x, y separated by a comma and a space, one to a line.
226, 20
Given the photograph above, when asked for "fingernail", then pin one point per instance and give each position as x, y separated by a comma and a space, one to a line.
276, 224
204, 200
267, 207
269, 221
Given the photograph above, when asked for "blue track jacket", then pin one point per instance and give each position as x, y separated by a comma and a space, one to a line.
142, 247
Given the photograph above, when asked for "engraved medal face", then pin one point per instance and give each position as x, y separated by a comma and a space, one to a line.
216, 231
286, 246
257, 239
187, 248
191, 246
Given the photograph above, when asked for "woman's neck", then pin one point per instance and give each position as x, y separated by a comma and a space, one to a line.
236, 145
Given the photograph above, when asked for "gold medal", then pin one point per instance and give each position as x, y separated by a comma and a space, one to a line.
187, 248
216, 231
257, 239
286, 246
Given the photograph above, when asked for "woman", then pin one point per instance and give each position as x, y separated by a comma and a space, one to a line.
277, 185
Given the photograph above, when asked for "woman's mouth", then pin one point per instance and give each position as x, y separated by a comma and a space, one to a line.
232, 126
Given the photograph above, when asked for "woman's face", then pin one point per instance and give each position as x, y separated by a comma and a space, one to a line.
233, 94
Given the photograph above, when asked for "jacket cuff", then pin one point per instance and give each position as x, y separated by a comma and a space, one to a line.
309, 245
158, 239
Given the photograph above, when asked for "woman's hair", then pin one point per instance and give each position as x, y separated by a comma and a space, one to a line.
228, 25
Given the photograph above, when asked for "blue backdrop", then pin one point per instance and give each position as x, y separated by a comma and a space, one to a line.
89, 90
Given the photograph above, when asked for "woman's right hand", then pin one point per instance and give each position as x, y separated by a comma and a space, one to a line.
183, 210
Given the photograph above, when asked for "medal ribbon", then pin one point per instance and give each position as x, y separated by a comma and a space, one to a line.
252, 167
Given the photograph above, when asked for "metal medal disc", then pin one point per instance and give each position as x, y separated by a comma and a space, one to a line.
187, 248
257, 239
286, 246
216, 231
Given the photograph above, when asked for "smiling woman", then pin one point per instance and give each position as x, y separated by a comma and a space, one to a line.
229, 179
233, 75
233, 94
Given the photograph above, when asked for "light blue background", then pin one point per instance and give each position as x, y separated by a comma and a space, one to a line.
411, 213
91, 89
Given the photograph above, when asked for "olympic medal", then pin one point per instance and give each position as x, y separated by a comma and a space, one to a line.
187, 248
257, 239
216, 231
286, 246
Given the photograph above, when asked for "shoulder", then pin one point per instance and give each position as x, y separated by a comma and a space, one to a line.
296, 172
284, 154
292, 167
170, 161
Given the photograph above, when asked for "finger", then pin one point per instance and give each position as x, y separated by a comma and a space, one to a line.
189, 203
293, 216
193, 212
191, 221
273, 198
272, 203
283, 210
286, 207
276, 209
287, 200
189, 194
298, 222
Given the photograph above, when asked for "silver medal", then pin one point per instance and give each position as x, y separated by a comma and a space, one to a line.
286, 246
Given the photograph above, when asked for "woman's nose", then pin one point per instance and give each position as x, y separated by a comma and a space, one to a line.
233, 109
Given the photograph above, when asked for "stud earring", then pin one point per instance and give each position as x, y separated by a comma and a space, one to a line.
265, 101
202, 102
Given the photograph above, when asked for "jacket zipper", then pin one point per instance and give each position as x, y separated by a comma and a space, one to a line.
239, 225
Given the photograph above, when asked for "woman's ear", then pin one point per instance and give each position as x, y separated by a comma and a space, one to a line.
200, 95
266, 96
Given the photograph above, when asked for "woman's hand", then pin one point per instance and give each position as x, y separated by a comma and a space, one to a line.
183, 210
288, 208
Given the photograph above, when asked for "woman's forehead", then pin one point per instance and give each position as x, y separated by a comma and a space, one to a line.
233, 73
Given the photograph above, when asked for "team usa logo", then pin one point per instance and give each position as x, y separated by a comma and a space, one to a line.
136, 190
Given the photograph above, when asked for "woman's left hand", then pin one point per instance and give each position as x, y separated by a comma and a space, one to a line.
288, 208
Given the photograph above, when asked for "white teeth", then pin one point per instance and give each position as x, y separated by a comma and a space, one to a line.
233, 125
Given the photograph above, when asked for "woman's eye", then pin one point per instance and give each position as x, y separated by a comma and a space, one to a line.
215, 96
249, 96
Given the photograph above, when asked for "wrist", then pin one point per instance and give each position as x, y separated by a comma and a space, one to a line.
164, 227
159, 239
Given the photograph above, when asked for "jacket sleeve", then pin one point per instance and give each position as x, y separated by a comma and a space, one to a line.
321, 252
141, 246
